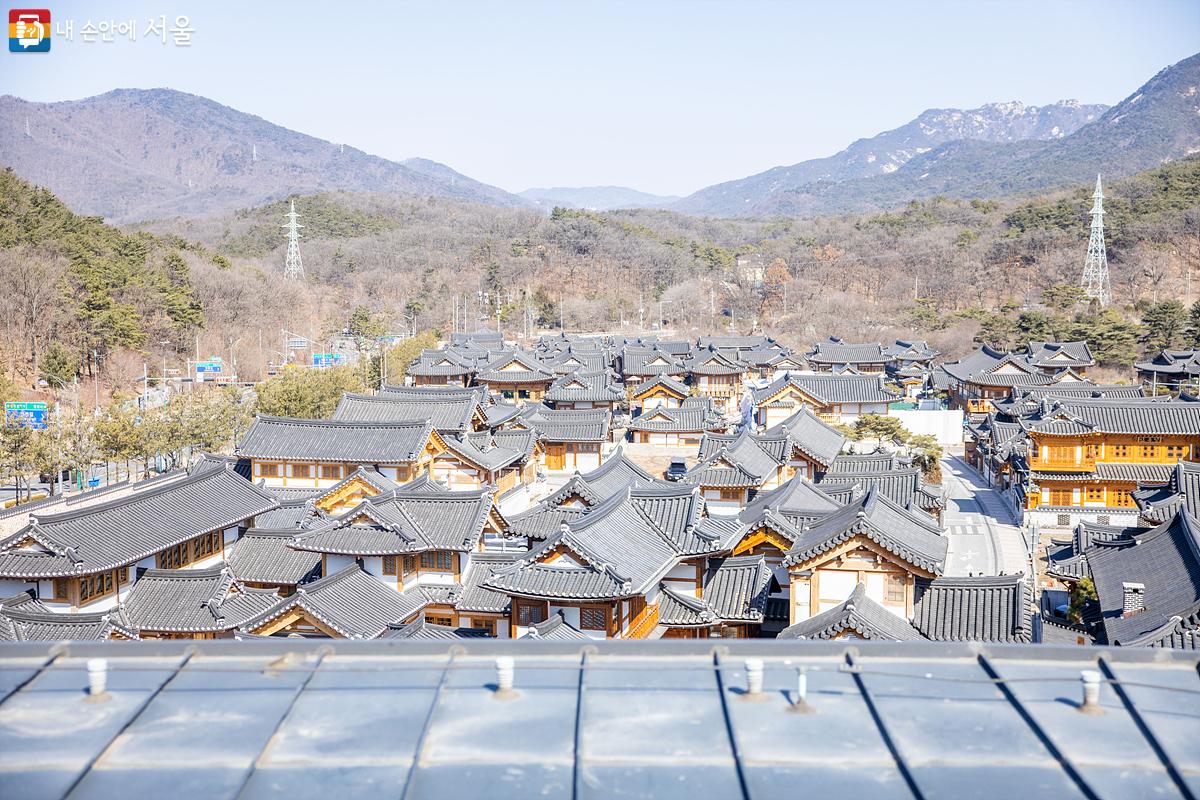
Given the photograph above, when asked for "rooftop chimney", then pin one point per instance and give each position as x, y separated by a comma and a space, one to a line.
1133, 598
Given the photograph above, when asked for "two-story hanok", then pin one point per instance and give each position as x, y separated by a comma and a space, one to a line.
90, 557
717, 375
835, 354
315, 453
606, 570
451, 411
681, 426
730, 604
834, 398
988, 374
993, 608
572, 440
1148, 586
516, 375
24, 619
660, 391
1054, 357
1086, 457
585, 390
732, 468
639, 364
871, 540
445, 367
1171, 369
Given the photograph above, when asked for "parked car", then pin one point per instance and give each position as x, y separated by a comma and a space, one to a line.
676, 469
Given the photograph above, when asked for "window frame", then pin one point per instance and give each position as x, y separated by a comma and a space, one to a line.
584, 624
432, 561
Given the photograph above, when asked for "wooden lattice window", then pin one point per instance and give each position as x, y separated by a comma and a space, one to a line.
593, 619
438, 560
530, 613
389, 565
895, 589
331, 471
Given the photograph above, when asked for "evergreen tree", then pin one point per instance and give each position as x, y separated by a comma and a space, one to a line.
308, 393
1166, 326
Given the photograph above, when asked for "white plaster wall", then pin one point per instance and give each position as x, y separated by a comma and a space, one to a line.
946, 425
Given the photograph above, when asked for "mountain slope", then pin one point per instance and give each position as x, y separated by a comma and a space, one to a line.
595, 198
887, 152
1157, 123
134, 154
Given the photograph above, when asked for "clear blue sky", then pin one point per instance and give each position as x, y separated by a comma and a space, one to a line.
662, 96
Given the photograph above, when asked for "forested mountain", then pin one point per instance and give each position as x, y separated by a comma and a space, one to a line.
134, 154
1157, 123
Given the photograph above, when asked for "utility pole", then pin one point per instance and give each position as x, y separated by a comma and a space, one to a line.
293, 267
1095, 266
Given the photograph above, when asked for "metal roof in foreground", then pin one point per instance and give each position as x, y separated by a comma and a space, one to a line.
306, 718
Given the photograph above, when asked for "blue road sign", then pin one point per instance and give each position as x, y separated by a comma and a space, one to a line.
26, 415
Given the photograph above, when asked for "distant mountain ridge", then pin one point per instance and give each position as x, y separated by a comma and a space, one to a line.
595, 198
889, 151
134, 154
978, 156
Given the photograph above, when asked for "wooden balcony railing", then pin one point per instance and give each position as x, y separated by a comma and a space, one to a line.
644, 623
1084, 463
979, 405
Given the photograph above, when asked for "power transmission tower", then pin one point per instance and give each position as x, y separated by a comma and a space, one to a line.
293, 267
1095, 268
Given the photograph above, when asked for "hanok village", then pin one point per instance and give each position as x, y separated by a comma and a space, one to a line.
594, 487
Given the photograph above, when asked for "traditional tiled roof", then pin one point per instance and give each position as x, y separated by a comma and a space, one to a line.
421, 630
849, 464
829, 389
474, 596
1177, 364
813, 437
1067, 559
290, 514
493, 450
688, 418
650, 361
798, 500
369, 475
835, 351
24, 619
1166, 561
351, 602
402, 522
529, 369
858, 614
592, 387
738, 342
264, 556
1128, 416
736, 589
903, 350
739, 460
125, 530
994, 608
327, 440
901, 486
192, 601
989, 367
1160, 503
556, 628
441, 363
574, 360
498, 413
446, 414
912, 537
585, 425
1060, 354
661, 381
711, 362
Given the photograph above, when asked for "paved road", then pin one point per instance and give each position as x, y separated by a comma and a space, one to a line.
984, 537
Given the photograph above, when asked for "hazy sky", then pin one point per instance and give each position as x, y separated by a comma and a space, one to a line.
662, 96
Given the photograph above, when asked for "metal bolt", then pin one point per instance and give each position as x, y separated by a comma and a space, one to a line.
1090, 679
754, 677
97, 669
505, 670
